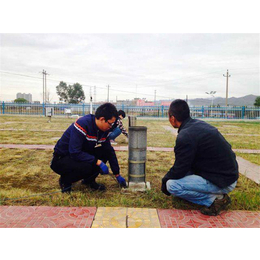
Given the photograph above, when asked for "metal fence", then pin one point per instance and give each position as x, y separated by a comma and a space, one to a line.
229, 112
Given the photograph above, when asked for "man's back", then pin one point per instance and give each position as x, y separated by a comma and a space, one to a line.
207, 152
205, 168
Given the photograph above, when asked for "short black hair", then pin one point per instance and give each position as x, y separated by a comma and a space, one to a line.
121, 113
179, 109
107, 110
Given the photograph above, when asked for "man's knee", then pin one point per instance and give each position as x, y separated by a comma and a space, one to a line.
174, 187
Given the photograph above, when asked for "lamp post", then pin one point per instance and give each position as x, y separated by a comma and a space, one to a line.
211, 93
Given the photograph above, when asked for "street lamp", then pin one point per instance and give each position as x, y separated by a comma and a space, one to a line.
211, 93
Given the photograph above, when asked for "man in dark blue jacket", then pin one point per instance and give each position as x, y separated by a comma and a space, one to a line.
205, 167
84, 148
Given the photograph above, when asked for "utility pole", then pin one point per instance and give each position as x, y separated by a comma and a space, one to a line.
95, 93
46, 97
43, 87
154, 96
90, 92
227, 76
107, 93
90, 105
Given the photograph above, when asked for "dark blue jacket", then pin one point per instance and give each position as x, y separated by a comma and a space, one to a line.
83, 141
201, 149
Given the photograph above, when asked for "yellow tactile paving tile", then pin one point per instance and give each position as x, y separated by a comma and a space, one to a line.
110, 218
126, 218
142, 218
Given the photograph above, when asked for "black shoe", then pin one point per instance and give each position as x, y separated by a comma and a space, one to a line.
84, 182
95, 186
65, 187
217, 206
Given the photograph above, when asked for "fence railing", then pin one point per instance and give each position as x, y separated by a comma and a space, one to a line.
229, 112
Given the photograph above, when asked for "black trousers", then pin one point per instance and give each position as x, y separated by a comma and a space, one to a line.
73, 171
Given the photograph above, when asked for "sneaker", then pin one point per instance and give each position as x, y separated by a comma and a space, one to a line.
217, 206
65, 187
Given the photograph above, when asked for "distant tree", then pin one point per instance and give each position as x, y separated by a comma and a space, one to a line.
76, 94
257, 102
70, 94
62, 91
21, 100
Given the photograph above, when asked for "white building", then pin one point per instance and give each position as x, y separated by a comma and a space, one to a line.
28, 96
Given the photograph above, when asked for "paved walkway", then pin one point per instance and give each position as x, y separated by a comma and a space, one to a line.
91, 217
31, 130
250, 170
117, 148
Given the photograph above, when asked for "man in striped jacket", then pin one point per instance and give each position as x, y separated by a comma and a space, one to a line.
118, 127
84, 148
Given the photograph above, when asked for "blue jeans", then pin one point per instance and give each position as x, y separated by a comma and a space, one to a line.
196, 189
115, 133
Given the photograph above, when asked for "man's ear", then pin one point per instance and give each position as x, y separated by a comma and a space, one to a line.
172, 118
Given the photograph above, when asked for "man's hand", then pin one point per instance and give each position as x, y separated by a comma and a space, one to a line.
164, 188
121, 180
103, 168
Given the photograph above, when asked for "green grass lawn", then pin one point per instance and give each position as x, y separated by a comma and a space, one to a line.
26, 172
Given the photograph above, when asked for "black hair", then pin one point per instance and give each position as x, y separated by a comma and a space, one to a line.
121, 113
107, 110
179, 109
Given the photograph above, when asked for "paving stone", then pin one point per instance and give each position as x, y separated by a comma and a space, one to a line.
126, 218
250, 170
242, 219
46, 217
246, 151
110, 218
31, 130
142, 218
28, 146
173, 218
116, 148
171, 129
117, 217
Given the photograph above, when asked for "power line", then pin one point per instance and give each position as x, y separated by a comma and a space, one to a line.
84, 85
183, 79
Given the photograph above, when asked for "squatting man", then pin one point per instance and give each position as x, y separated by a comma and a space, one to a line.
205, 168
84, 148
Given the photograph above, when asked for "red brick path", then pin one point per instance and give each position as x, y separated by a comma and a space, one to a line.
46, 217
172, 218
82, 217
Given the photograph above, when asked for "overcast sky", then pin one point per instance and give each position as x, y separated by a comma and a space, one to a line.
133, 65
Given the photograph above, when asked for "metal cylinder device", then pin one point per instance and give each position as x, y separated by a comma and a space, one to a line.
137, 147
131, 121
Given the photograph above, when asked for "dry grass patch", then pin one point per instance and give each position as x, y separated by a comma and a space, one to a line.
27, 173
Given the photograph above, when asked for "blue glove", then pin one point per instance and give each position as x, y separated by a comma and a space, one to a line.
121, 180
103, 168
